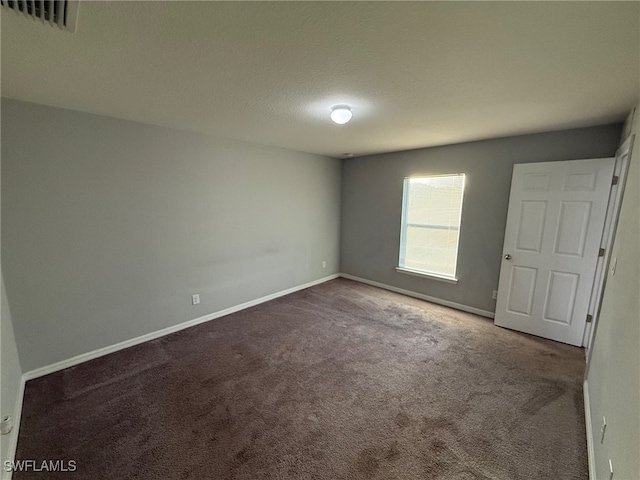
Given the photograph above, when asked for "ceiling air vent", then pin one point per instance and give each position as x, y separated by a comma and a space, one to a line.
61, 13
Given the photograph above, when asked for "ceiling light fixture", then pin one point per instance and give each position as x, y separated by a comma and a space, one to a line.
341, 114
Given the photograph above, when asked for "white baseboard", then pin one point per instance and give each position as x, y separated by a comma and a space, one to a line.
39, 372
446, 303
17, 415
587, 421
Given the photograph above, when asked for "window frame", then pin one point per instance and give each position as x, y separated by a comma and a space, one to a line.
403, 233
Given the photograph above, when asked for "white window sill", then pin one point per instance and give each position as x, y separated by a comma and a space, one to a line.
432, 276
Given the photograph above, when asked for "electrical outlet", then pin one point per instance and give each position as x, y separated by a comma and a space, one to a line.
6, 425
603, 429
195, 299
324, 264
494, 295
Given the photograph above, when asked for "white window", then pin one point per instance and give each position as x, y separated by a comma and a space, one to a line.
431, 212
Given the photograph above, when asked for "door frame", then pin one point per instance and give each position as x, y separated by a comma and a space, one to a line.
621, 169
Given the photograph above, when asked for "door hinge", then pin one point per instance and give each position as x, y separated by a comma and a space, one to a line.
589, 318
615, 180
601, 252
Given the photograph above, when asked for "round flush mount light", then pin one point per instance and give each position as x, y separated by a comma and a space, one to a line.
341, 114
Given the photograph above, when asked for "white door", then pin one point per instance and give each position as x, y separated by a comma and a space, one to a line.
552, 239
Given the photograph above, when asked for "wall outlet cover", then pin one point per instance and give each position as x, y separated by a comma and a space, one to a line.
6, 425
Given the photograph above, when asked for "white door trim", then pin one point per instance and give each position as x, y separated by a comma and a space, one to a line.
621, 169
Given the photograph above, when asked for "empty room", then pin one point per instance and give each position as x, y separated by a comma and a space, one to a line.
320, 240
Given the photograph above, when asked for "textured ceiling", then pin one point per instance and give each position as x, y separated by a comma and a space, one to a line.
416, 74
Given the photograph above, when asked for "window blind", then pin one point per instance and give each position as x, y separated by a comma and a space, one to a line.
432, 210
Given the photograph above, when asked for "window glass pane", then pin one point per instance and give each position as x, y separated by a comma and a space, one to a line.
431, 227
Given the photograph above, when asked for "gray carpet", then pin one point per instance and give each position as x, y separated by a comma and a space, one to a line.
339, 381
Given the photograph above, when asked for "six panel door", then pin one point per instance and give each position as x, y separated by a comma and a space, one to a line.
552, 239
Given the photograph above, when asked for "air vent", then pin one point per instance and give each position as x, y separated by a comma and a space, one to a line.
60, 13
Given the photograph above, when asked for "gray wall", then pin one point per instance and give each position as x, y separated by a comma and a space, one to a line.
10, 372
372, 205
109, 226
614, 369
11, 375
